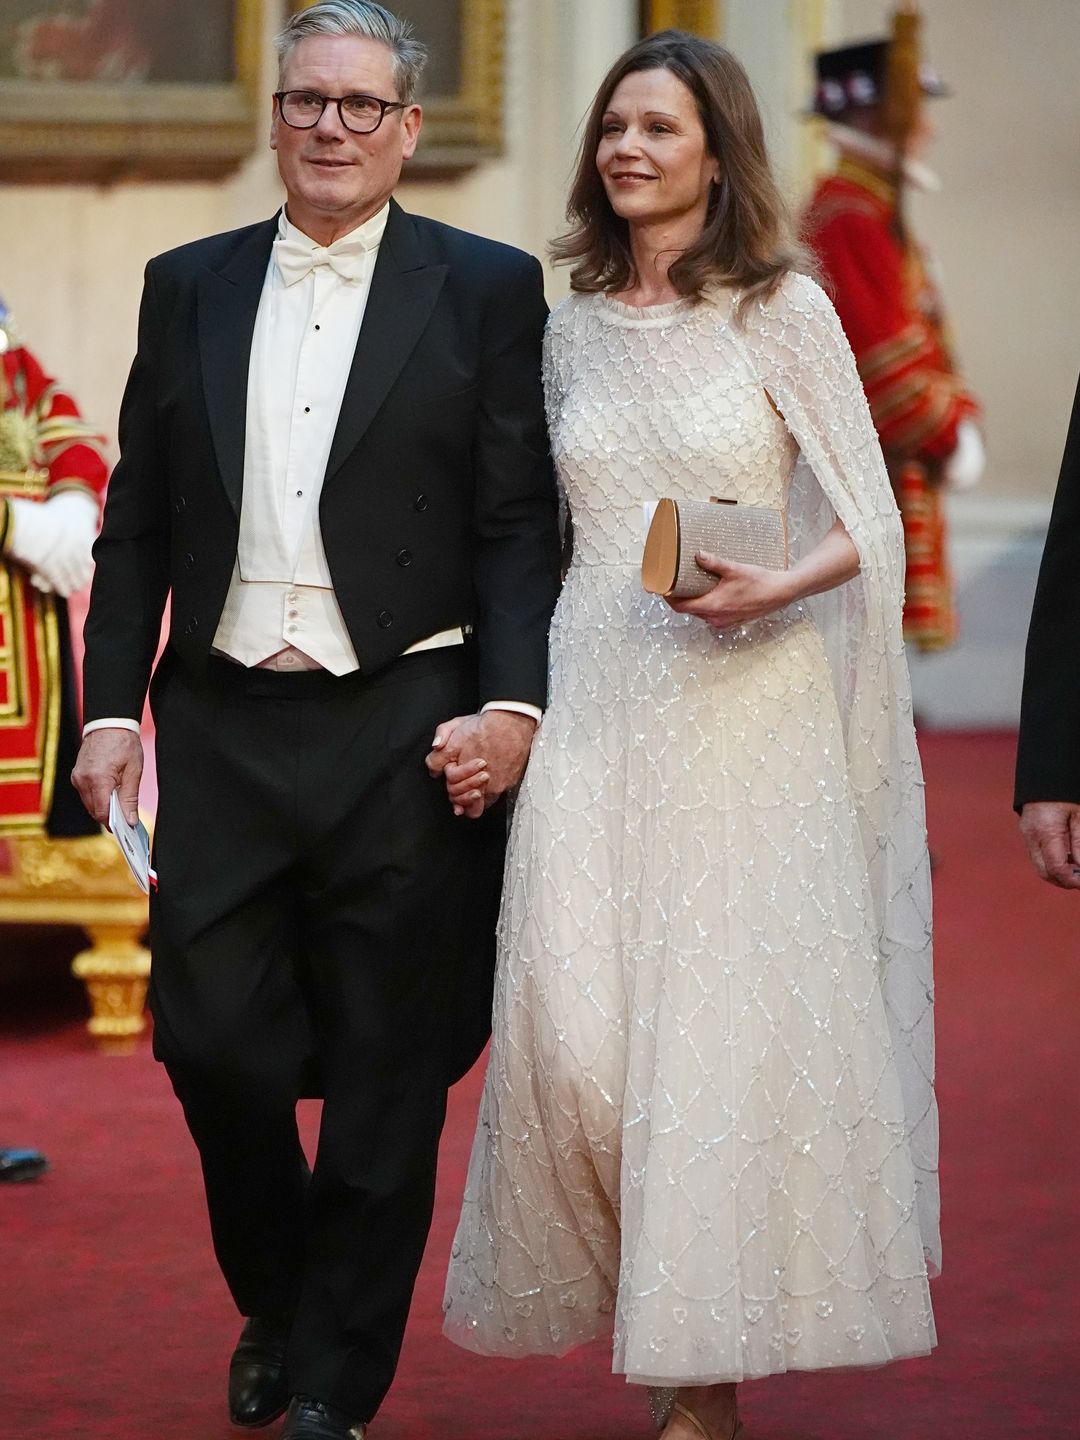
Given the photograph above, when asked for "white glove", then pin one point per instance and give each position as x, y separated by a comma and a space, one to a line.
53, 540
964, 467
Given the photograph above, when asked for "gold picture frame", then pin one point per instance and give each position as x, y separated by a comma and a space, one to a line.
463, 95
150, 109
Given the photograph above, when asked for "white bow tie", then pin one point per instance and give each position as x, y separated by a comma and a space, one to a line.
297, 257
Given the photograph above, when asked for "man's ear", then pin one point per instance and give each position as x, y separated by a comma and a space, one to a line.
412, 120
275, 121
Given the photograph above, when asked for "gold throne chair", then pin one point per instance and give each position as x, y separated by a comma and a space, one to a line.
86, 882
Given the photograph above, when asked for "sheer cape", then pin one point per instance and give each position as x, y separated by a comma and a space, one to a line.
794, 343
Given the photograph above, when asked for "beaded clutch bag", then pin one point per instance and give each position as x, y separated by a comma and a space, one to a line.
749, 534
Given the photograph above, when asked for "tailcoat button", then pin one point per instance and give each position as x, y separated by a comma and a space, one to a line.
384, 619
189, 561
404, 557
420, 503
192, 625
180, 505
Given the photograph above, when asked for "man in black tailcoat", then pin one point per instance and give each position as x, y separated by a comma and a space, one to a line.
334, 457
1048, 755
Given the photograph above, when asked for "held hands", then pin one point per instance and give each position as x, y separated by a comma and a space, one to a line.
480, 757
743, 593
109, 759
1051, 831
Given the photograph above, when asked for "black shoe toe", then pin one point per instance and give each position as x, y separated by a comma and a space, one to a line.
258, 1389
18, 1165
310, 1419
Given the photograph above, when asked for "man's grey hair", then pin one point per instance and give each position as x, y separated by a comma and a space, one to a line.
371, 22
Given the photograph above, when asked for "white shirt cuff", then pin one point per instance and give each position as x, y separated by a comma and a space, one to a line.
519, 707
112, 723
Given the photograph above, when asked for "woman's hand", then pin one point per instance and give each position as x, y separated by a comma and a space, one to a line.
746, 592
742, 593
481, 757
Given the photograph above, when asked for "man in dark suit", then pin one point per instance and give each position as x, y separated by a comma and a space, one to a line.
334, 456
1048, 755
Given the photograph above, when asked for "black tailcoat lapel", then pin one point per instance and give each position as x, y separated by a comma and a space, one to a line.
228, 301
404, 289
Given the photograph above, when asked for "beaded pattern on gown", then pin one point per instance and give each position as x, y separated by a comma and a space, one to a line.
693, 1128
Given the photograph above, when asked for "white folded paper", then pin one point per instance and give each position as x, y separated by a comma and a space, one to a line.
134, 845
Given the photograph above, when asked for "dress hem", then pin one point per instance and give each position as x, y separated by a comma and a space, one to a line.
557, 1352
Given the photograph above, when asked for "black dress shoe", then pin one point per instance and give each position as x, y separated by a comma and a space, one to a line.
258, 1390
310, 1419
17, 1165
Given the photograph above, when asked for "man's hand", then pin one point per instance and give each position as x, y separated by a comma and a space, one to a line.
481, 757
109, 759
1051, 831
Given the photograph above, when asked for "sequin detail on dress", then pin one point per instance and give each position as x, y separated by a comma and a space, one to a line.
697, 1127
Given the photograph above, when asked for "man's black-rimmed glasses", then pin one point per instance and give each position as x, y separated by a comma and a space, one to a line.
362, 114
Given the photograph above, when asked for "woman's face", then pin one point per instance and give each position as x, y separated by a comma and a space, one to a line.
652, 156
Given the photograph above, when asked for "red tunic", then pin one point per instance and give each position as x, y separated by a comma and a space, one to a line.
45, 447
892, 315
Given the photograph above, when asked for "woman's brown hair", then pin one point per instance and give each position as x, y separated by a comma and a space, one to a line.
747, 242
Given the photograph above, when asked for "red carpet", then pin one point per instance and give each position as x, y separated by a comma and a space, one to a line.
117, 1327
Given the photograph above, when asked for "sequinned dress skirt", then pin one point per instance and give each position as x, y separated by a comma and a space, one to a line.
692, 1130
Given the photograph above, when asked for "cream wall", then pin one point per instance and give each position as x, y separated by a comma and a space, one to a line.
775, 40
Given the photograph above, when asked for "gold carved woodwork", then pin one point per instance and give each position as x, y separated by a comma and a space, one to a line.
86, 882
700, 17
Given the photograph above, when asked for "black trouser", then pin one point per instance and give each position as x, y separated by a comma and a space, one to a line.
67, 815
320, 911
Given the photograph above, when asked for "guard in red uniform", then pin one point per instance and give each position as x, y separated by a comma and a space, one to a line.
52, 475
889, 305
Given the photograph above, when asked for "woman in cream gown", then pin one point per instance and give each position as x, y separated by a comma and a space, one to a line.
708, 1124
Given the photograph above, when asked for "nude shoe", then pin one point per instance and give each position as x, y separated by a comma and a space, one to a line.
701, 1428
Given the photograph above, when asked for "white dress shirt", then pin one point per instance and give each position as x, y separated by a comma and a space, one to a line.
281, 608
281, 612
